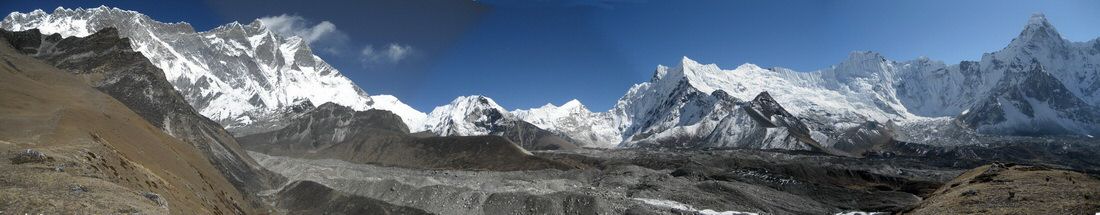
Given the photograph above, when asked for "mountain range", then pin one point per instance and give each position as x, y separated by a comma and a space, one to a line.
108, 111
252, 80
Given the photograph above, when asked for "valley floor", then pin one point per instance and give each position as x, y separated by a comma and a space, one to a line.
629, 181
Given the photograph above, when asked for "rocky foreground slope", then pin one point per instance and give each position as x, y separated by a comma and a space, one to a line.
1002, 188
74, 149
105, 61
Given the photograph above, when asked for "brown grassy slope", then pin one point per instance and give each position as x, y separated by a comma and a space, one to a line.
1015, 189
106, 62
108, 156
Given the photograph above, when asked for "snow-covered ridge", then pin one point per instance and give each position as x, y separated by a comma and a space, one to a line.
235, 74
575, 121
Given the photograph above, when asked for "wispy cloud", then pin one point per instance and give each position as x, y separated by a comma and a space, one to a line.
392, 53
292, 25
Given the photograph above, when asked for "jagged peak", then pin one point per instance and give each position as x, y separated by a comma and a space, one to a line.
1037, 31
685, 61
474, 101
231, 26
767, 105
689, 67
1038, 19
62, 14
100, 9
863, 56
860, 64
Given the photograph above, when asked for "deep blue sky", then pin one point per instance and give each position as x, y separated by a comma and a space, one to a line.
527, 53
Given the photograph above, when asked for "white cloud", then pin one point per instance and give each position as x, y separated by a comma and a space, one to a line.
392, 53
292, 25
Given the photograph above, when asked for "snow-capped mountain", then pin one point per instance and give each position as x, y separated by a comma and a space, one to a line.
480, 115
466, 116
1040, 84
702, 105
235, 74
574, 120
1033, 102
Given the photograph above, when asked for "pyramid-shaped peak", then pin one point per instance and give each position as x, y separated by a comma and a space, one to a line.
1038, 32
685, 61
763, 96
767, 106
572, 103
1038, 19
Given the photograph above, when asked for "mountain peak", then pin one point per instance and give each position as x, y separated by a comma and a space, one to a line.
857, 56
685, 61
1038, 32
466, 115
1038, 19
474, 102
572, 104
859, 64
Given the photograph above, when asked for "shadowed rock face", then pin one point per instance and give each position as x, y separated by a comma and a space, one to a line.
308, 197
778, 116
869, 136
332, 131
107, 63
1029, 101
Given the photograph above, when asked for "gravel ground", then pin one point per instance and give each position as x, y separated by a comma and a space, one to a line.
627, 182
